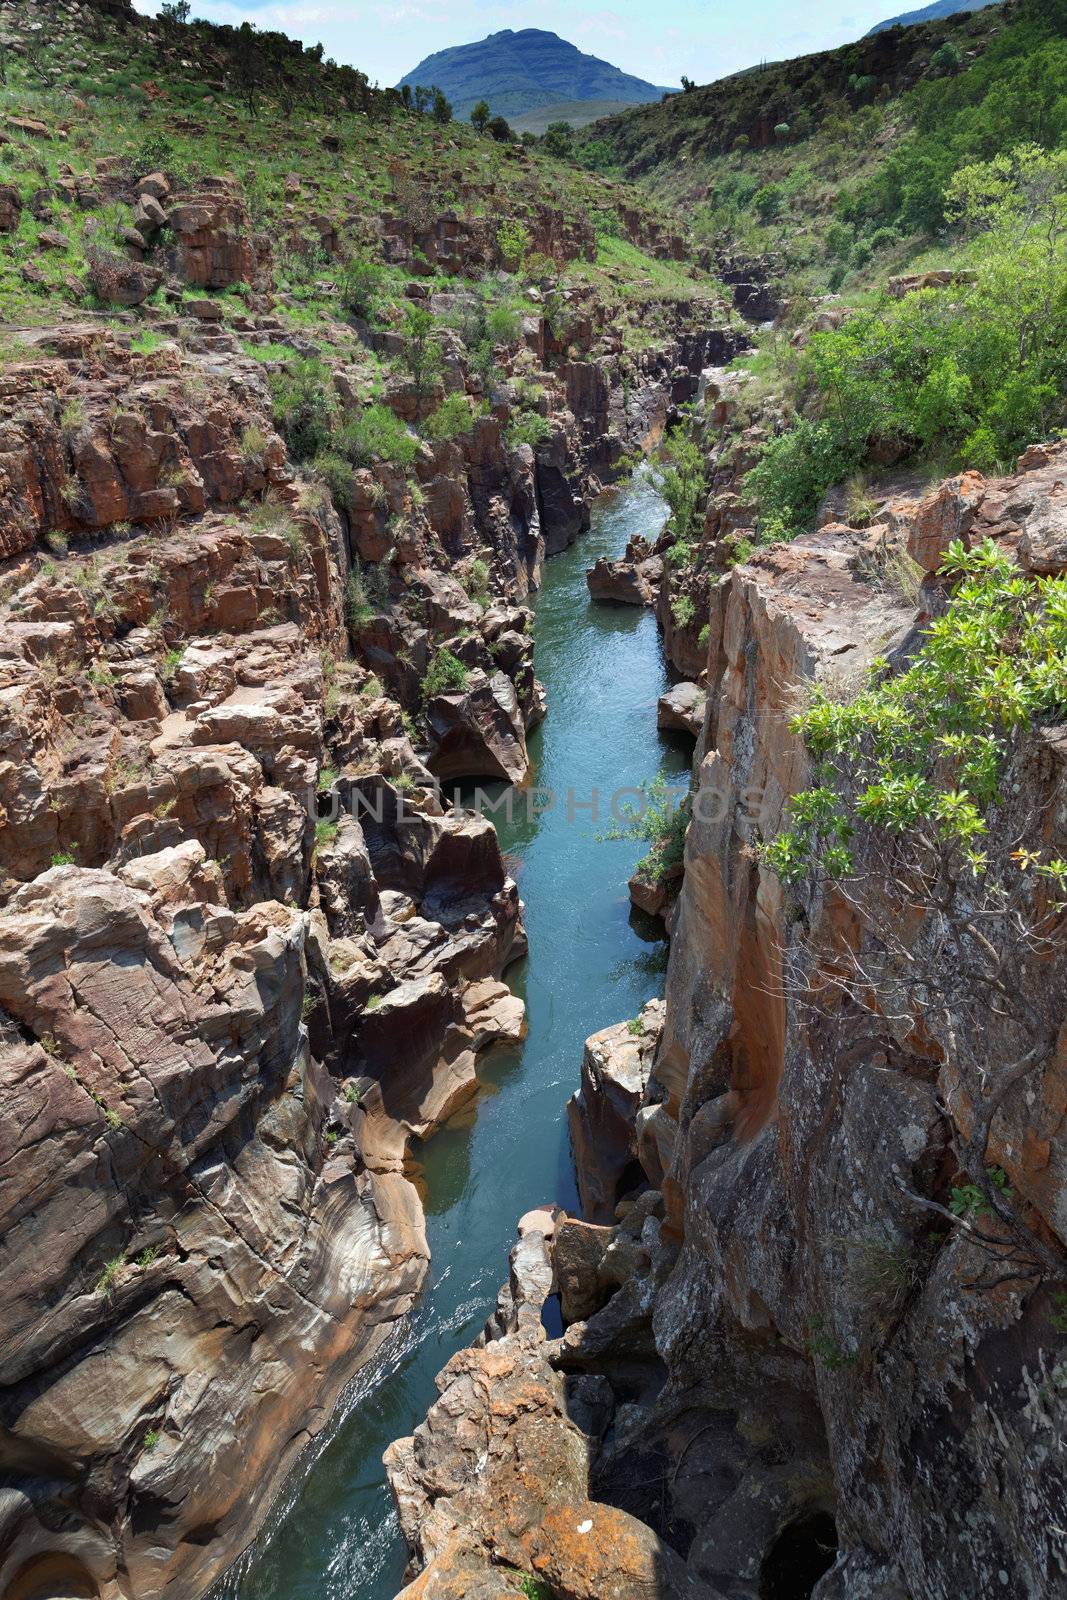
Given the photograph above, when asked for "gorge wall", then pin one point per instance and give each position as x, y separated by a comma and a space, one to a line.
246, 951
790, 1365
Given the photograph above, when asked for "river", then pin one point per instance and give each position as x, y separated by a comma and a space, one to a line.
333, 1533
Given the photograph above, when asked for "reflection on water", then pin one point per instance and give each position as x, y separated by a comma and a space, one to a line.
333, 1534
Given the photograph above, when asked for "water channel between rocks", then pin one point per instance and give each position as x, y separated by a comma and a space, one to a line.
333, 1534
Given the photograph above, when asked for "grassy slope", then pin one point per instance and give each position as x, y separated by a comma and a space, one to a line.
712, 150
133, 98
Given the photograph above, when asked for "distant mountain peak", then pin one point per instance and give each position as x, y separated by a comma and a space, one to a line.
518, 70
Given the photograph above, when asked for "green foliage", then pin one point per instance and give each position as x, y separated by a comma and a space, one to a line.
527, 427
303, 406
974, 373
558, 140
63, 858
325, 832
823, 1347
1014, 92
660, 821
768, 201
480, 116
679, 477
445, 674
513, 242
452, 418
923, 750
376, 434
360, 286
106, 1281
151, 1439
946, 58
422, 353
967, 1200
683, 610
535, 1588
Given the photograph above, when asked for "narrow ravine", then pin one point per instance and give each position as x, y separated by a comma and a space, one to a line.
592, 961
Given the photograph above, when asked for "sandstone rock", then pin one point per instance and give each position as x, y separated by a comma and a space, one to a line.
10, 208
478, 732
945, 515
681, 709
577, 1253
601, 1116
1043, 546
167, 1022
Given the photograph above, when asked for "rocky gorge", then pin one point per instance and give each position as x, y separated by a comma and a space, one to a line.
377, 520
251, 952
770, 1308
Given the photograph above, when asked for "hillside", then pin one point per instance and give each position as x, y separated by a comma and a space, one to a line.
521, 71
930, 13
579, 113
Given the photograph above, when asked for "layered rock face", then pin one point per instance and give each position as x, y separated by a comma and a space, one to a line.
816, 1370
236, 980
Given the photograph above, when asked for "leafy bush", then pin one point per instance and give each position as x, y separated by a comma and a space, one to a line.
452, 418
445, 673
361, 286
974, 373
377, 434
660, 821
528, 427
926, 747
303, 406
513, 242
679, 477
683, 610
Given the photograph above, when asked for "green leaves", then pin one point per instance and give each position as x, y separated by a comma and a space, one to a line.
925, 749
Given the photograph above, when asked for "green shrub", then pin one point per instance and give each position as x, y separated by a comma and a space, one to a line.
925, 748
376, 434
302, 393
513, 242
528, 427
361, 285
683, 610
444, 674
452, 418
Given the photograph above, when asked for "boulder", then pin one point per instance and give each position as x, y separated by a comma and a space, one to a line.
681, 709
478, 732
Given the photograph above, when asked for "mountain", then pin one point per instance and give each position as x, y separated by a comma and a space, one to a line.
931, 13
521, 71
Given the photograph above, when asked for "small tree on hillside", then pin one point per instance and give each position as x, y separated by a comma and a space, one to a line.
442, 109
480, 116
559, 140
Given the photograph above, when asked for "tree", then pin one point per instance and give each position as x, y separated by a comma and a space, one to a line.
442, 110
499, 128
559, 140
946, 58
480, 116
914, 829
423, 96
251, 67
421, 351
688, 84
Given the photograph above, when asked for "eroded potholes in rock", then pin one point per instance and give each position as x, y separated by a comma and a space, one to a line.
804, 1550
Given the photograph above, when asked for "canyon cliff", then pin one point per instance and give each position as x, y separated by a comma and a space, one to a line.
794, 1360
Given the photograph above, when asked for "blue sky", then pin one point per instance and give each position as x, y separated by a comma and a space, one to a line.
656, 39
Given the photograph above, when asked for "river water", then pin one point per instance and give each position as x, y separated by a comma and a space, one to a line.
333, 1534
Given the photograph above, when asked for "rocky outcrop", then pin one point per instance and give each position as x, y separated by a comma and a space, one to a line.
682, 709
633, 580
816, 1367
494, 1487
